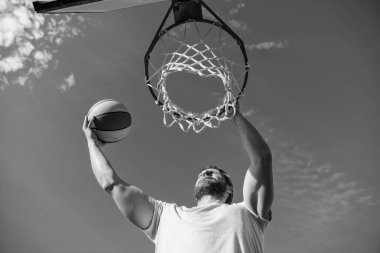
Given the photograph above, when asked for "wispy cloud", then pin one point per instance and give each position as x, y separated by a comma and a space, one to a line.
28, 41
68, 83
266, 45
317, 190
237, 24
248, 112
241, 27
235, 10
228, 12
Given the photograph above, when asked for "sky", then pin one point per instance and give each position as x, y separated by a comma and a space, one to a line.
312, 93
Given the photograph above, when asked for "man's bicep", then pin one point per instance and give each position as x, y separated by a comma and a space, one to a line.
258, 192
136, 205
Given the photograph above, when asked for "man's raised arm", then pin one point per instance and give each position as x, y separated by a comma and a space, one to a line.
258, 183
137, 206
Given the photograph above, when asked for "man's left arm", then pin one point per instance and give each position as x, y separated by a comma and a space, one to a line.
258, 191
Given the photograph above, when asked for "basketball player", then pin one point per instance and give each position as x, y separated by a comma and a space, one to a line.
215, 224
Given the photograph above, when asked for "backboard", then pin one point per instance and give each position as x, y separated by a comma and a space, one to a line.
86, 6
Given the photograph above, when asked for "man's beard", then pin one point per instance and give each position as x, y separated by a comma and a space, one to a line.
209, 187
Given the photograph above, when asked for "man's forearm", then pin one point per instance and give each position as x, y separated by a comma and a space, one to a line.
256, 147
102, 169
258, 182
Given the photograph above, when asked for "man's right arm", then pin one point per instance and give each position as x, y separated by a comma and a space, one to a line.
136, 205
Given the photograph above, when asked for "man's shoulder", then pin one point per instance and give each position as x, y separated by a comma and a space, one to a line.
239, 206
162, 205
242, 207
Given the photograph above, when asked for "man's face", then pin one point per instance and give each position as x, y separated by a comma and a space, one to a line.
210, 182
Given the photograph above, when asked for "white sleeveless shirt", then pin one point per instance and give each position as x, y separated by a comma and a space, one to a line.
212, 228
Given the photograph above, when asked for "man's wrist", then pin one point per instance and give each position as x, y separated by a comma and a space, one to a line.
91, 142
237, 114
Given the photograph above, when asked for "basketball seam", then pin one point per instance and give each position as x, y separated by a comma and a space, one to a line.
100, 102
103, 114
111, 141
94, 128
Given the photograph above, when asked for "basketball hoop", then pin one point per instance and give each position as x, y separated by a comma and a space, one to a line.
206, 48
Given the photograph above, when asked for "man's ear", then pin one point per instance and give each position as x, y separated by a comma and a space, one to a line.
230, 194
229, 189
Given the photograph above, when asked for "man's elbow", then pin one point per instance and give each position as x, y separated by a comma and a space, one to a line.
262, 159
266, 153
267, 156
108, 182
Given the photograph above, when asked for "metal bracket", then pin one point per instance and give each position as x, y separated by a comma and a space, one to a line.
187, 10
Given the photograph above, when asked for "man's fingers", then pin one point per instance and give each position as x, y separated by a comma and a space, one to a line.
91, 122
237, 106
85, 123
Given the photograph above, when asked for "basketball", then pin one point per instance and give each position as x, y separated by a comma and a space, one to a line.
112, 121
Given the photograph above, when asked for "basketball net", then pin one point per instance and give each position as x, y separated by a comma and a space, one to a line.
205, 61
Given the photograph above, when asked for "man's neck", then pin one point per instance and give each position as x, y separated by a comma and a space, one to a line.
208, 199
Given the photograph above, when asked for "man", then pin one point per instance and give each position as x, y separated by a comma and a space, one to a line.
214, 225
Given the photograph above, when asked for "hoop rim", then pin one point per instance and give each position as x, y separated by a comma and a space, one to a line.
222, 26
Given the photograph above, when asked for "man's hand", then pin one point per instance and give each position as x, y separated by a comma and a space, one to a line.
90, 135
232, 112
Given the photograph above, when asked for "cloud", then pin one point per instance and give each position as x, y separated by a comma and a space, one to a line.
228, 12
248, 113
235, 10
320, 189
266, 45
29, 41
317, 191
243, 29
237, 24
3, 5
11, 64
68, 83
